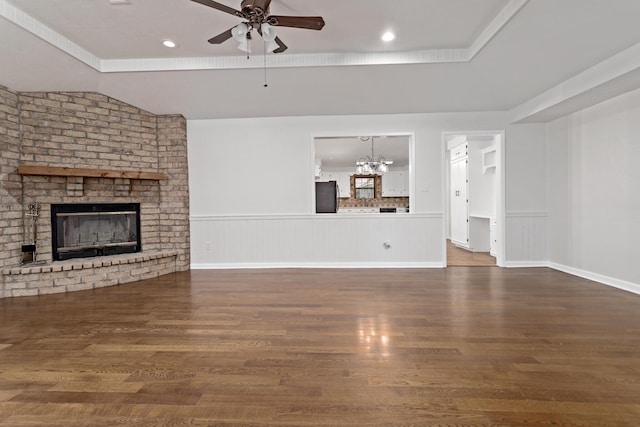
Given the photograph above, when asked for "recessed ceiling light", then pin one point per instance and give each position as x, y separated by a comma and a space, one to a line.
388, 36
169, 43
119, 2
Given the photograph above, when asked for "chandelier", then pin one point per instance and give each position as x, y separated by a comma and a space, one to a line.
372, 164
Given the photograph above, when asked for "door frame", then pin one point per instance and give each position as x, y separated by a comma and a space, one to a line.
500, 196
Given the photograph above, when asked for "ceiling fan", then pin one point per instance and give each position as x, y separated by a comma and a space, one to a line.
256, 15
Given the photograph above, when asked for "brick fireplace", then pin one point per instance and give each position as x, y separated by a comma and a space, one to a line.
86, 148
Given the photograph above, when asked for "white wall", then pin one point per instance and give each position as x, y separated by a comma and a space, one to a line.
594, 191
526, 201
264, 168
481, 184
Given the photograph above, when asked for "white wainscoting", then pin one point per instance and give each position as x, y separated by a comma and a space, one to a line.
526, 239
330, 240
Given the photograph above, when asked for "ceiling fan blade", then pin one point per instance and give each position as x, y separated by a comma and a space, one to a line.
222, 37
221, 7
281, 46
305, 22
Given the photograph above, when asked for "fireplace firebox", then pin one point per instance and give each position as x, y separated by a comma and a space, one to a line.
88, 230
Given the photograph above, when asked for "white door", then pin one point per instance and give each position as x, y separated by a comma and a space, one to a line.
459, 203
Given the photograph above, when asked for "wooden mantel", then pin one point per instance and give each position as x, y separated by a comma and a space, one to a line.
35, 170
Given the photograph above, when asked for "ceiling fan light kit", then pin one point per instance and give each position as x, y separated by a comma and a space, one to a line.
269, 35
242, 34
256, 16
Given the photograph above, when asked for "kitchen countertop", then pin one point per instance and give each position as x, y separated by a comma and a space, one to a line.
369, 210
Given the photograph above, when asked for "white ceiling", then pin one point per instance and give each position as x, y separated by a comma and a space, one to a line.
449, 55
342, 152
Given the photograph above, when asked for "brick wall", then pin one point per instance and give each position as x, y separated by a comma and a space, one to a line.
11, 229
174, 206
90, 130
377, 202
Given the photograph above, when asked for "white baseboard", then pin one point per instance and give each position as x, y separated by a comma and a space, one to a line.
243, 266
525, 264
605, 280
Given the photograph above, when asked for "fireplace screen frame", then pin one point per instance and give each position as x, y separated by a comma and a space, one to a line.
60, 211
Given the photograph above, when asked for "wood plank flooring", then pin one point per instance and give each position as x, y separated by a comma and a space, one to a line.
452, 347
458, 257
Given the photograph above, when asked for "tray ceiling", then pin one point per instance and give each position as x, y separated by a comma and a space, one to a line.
454, 55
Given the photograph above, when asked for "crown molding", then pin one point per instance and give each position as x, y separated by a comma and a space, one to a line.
431, 56
434, 56
38, 29
499, 22
611, 77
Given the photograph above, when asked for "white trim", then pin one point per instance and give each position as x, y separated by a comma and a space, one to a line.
579, 91
412, 160
526, 214
501, 201
526, 264
251, 266
412, 177
498, 23
37, 28
436, 56
600, 278
430, 56
595, 277
314, 217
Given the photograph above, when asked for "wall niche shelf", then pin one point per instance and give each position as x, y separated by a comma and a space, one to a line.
489, 159
36, 170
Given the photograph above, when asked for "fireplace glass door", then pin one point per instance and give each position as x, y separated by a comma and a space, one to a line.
82, 230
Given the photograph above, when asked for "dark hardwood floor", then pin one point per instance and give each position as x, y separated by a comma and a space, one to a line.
452, 347
458, 257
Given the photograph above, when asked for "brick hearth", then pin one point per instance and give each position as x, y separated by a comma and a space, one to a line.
93, 131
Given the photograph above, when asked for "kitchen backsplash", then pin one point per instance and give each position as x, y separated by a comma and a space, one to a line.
383, 202
377, 202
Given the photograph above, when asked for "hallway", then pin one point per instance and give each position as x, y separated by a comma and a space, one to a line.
458, 257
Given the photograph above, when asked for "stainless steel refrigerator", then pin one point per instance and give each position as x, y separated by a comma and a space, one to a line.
327, 195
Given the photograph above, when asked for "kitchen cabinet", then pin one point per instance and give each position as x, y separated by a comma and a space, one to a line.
459, 151
479, 239
344, 183
459, 196
342, 178
395, 184
358, 210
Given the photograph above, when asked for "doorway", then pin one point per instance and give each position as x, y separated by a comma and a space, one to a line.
474, 198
